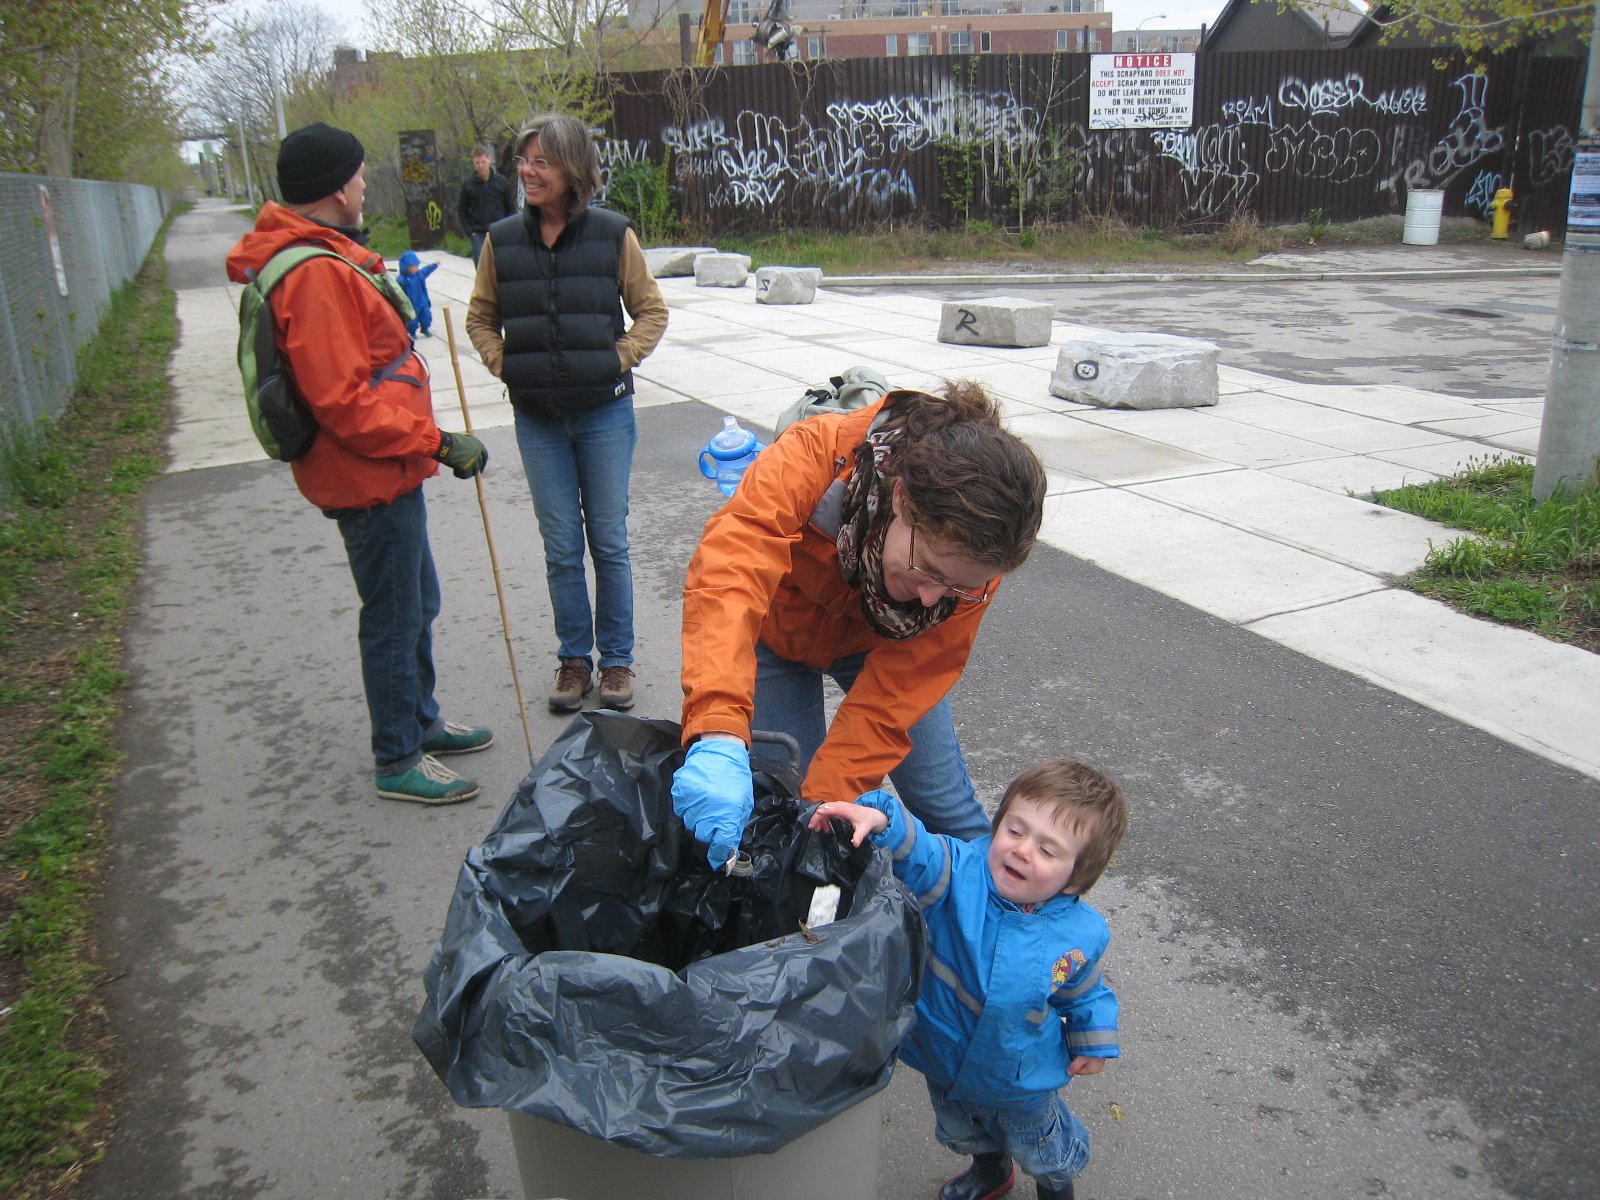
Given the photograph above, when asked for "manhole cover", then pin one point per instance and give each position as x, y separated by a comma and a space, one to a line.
1470, 312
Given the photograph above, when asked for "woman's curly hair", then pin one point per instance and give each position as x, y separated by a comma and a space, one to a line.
968, 482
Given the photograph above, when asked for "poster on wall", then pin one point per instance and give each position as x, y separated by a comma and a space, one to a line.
1141, 91
419, 183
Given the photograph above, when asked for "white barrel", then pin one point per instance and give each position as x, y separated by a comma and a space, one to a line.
838, 1159
1424, 206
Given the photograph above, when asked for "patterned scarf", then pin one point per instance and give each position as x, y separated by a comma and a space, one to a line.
867, 513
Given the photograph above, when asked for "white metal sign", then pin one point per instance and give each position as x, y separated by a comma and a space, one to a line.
1141, 91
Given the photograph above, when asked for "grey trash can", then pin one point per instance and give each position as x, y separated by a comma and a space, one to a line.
655, 1029
555, 1161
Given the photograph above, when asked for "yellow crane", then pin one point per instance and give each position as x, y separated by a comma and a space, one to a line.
772, 31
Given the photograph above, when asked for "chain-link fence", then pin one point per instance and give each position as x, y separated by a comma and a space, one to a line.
66, 246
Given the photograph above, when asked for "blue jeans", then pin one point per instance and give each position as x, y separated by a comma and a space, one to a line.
577, 469
477, 244
393, 568
933, 779
1048, 1142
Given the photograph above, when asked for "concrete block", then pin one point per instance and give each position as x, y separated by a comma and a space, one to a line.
787, 285
1136, 370
996, 321
667, 261
721, 270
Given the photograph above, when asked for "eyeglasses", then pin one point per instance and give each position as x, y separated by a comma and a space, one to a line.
958, 592
538, 164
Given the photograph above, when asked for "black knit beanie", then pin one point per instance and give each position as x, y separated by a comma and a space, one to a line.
317, 161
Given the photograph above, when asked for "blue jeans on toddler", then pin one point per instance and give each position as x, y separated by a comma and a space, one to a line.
1045, 1139
577, 469
392, 563
933, 779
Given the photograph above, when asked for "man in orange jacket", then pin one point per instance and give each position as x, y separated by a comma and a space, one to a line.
346, 347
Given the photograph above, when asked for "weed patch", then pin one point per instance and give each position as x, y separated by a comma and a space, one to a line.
69, 558
1535, 566
1093, 244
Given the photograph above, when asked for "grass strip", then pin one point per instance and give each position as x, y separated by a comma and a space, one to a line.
69, 558
1535, 566
1093, 245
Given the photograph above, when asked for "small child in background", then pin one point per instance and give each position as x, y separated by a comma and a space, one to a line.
414, 279
1012, 1004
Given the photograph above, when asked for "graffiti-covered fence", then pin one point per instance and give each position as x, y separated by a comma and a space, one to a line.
1006, 138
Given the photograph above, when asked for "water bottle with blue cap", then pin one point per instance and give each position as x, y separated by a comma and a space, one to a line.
729, 454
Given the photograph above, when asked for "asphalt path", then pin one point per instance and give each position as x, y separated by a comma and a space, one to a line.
1353, 938
1475, 337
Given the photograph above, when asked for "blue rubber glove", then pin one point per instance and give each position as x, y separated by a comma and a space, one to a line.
712, 795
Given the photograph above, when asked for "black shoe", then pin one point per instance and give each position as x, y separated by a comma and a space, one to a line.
1045, 1192
990, 1175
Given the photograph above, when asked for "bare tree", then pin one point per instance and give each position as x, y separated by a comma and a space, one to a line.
458, 71
583, 37
258, 59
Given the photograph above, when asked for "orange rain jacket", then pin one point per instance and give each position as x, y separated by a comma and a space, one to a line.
764, 570
335, 333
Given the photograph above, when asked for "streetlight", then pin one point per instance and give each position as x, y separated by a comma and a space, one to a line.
1140, 25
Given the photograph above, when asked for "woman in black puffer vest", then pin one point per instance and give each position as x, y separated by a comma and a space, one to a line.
547, 317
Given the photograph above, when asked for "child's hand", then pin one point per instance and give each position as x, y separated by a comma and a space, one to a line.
1083, 1064
861, 819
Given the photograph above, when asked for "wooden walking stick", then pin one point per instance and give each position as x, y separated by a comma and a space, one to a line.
494, 562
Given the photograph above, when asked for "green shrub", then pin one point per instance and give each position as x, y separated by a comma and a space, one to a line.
641, 192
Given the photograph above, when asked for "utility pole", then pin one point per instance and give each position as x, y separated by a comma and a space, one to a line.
244, 153
1569, 433
277, 95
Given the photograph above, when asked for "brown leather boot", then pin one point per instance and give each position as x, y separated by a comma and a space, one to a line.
573, 683
616, 687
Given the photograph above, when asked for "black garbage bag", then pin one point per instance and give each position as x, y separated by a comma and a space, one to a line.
594, 971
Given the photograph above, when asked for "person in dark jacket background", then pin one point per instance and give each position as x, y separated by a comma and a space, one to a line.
546, 316
486, 196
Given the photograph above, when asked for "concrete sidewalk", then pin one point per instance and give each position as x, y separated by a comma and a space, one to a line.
1248, 511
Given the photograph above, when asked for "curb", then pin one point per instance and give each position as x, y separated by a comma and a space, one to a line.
1272, 276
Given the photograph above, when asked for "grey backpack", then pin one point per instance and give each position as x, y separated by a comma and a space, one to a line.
850, 389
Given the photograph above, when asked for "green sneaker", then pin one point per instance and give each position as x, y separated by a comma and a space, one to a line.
429, 782
458, 739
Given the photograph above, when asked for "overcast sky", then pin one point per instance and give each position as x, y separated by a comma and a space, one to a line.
1126, 14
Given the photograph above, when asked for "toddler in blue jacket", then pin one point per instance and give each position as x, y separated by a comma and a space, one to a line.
414, 279
1012, 1003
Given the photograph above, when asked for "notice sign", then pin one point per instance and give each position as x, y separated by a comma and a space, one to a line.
1583, 202
1141, 91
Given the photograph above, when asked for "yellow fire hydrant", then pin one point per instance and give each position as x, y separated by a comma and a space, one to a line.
1501, 207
